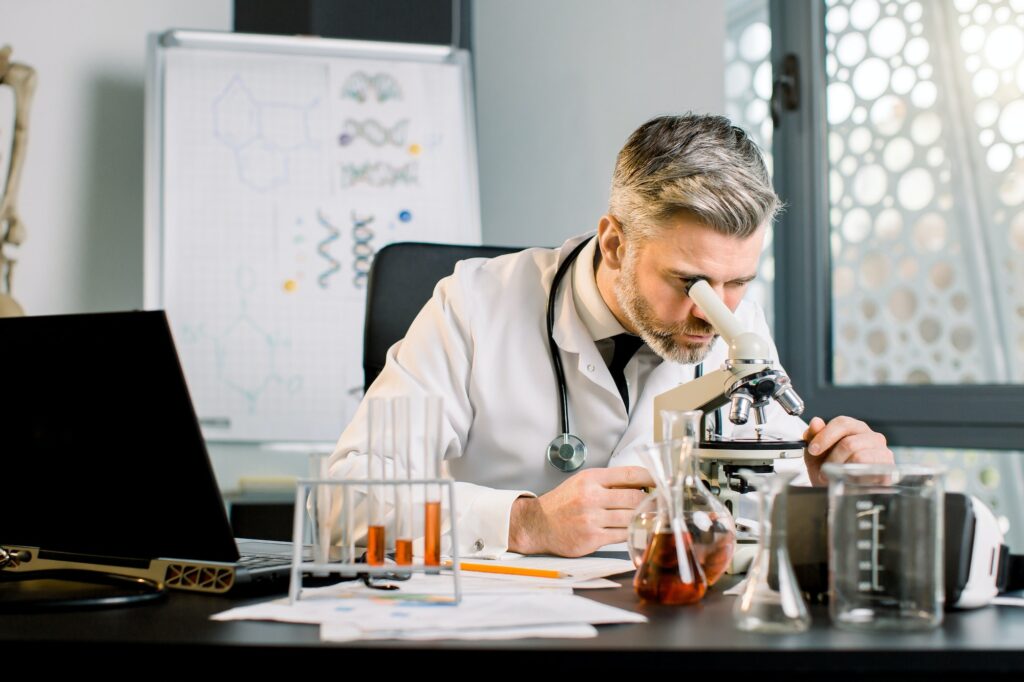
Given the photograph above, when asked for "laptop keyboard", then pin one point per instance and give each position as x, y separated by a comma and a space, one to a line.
252, 561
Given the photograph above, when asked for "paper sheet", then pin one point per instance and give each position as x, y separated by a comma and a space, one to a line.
498, 609
396, 618
346, 632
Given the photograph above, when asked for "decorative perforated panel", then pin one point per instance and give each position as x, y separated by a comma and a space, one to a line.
748, 88
925, 107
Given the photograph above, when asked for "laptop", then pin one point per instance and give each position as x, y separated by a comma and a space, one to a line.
102, 461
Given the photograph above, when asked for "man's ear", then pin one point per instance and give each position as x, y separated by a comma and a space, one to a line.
611, 241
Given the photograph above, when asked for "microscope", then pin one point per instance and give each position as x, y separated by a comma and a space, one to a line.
747, 382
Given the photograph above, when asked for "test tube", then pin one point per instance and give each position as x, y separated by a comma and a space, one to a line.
432, 470
320, 508
379, 413
403, 493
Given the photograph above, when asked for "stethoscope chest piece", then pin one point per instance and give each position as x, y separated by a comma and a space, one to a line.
567, 452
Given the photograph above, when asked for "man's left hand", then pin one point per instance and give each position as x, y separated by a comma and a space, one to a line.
842, 440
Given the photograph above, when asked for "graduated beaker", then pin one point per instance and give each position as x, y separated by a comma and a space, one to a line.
885, 546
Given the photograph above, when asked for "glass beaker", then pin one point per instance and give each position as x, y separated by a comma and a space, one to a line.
885, 546
771, 602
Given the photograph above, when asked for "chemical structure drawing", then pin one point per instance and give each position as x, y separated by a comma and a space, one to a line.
379, 174
246, 355
374, 132
333, 234
359, 86
362, 249
261, 134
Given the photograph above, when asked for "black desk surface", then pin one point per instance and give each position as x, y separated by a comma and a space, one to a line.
986, 641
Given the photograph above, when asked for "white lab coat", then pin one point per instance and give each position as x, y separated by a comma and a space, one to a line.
481, 343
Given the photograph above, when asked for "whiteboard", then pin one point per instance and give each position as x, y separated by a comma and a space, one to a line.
276, 168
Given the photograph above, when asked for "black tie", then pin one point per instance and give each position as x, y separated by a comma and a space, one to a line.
626, 346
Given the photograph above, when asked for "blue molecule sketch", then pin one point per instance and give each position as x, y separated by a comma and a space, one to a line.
379, 174
405, 216
333, 233
245, 353
359, 86
374, 132
261, 134
362, 250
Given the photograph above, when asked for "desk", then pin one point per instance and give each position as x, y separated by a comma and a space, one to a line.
173, 633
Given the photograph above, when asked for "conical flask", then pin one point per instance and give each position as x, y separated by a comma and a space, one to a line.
708, 520
668, 571
771, 600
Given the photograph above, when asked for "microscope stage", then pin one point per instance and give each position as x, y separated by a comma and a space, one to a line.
751, 450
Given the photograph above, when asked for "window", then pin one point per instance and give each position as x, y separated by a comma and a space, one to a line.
900, 260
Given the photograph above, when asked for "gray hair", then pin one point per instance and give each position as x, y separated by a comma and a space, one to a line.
700, 164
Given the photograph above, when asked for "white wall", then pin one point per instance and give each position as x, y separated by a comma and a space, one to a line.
81, 198
561, 84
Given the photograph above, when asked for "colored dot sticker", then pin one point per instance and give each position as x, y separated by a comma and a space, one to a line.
291, 285
415, 149
405, 216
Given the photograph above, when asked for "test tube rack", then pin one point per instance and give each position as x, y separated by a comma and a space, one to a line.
314, 490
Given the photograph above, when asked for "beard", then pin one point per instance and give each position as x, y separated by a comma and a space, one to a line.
661, 338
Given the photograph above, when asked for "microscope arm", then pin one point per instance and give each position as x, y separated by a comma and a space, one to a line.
707, 393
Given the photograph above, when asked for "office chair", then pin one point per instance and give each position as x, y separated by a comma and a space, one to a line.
401, 281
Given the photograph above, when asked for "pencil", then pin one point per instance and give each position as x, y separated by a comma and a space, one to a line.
509, 570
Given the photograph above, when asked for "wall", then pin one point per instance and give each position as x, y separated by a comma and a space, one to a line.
81, 197
561, 85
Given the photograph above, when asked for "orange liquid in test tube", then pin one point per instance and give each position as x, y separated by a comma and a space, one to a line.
432, 534
375, 546
403, 552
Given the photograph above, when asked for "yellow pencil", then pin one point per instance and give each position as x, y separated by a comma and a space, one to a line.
509, 570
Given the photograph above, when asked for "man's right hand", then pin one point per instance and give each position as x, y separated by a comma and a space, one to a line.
591, 509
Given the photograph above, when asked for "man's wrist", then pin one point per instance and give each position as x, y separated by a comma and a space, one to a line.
523, 526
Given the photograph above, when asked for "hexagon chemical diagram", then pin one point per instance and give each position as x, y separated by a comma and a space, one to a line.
261, 134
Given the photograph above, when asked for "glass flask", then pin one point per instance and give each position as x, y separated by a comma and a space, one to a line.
668, 571
771, 602
708, 521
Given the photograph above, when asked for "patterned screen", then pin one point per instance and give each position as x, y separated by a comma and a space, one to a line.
748, 89
926, 144
926, 186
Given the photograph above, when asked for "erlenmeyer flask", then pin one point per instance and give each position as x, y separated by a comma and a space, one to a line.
771, 600
708, 520
668, 571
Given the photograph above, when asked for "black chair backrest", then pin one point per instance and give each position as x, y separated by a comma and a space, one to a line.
401, 281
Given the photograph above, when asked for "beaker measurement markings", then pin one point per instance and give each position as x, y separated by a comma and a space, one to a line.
868, 516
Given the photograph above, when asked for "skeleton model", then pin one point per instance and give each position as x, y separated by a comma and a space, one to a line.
22, 80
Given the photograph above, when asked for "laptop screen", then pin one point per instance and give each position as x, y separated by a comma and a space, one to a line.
100, 450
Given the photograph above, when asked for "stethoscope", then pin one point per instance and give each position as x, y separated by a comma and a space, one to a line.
567, 452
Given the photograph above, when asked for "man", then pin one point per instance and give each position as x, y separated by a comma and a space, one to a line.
690, 199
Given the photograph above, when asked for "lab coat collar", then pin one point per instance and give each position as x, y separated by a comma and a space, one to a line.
569, 331
591, 307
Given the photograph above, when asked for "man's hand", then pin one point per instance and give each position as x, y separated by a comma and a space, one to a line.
843, 439
591, 509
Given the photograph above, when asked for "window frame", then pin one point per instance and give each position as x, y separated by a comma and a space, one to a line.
982, 416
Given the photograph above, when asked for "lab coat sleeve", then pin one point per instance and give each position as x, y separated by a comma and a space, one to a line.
435, 358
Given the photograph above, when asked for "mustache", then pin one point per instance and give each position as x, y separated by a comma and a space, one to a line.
700, 329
